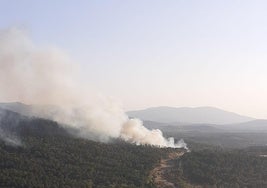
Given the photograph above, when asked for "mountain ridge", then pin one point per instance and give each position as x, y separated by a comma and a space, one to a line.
203, 114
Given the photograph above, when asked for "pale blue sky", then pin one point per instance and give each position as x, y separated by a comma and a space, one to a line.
151, 53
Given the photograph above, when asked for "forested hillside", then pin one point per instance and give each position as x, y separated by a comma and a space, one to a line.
40, 153
67, 162
218, 168
47, 156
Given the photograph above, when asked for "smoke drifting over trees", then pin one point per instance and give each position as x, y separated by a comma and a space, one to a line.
46, 76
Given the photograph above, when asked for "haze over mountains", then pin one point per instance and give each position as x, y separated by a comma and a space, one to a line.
157, 115
30, 110
92, 126
186, 115
200, 118
247, 133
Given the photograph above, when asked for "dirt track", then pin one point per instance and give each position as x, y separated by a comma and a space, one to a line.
159, 172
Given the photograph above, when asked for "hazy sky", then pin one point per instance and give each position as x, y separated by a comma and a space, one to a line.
154, 53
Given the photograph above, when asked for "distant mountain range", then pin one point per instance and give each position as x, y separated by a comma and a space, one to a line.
255, 125
186, 115
200, 118
179, 127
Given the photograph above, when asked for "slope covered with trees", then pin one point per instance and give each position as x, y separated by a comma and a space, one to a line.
40, 153
68, 162
47, 156
217, 168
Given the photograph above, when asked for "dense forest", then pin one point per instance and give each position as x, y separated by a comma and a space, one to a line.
66, 162
47, 156
37, 152
220, 168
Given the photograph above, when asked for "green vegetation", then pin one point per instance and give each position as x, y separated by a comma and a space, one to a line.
50, 157
218, 168
68, 162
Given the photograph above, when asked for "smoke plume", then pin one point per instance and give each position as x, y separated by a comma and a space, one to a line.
9, 138
47, 77
8, 123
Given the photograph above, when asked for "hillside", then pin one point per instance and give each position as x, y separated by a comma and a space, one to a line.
43, 111
67, 162
17, 107
14, 126
255, 125
37, 152
217, 168
199, 115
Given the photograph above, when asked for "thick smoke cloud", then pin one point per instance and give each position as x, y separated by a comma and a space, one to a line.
46, 77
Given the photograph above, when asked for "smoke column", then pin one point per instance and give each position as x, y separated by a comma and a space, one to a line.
47, 76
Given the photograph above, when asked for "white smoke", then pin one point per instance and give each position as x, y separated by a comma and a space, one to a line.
7, 123
46, 76
134, 131
10, 138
